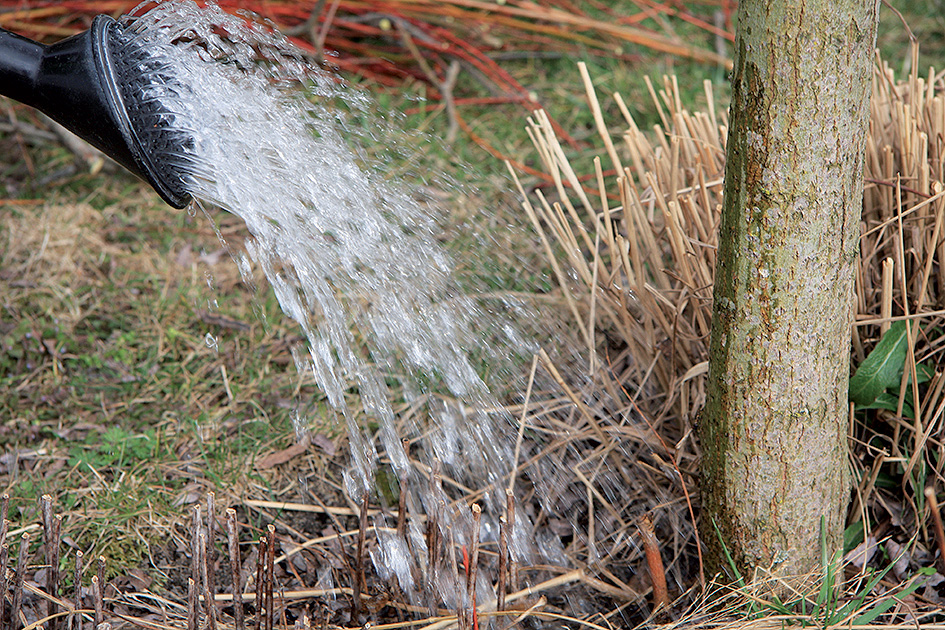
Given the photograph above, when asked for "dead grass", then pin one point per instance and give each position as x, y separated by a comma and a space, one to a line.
111, 398
634, 257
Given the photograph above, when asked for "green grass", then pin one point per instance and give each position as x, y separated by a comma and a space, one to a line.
825, 599
110, 397
926, 20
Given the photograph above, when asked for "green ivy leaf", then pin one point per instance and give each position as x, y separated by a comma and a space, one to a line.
852, 536
882, 368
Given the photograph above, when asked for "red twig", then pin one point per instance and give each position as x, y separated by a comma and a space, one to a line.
654, 563
449, 30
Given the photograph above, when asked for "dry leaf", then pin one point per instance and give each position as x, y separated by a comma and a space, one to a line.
860, 555
902, 559
212, 258
185, 257
325, 444
281, 457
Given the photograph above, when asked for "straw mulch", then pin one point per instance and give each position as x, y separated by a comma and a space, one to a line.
634, 257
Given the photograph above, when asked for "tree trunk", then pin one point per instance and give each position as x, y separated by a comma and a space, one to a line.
774, 429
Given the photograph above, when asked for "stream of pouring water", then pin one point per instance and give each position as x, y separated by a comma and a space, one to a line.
352, 258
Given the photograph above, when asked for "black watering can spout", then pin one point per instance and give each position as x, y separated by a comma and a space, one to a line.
94, 84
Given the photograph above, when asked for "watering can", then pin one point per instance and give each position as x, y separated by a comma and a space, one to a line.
93, 84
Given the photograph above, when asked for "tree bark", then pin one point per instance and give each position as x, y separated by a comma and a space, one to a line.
774, 428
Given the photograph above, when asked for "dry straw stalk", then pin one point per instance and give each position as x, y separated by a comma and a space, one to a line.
635, 260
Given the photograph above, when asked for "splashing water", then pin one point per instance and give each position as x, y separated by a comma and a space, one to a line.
350, 256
